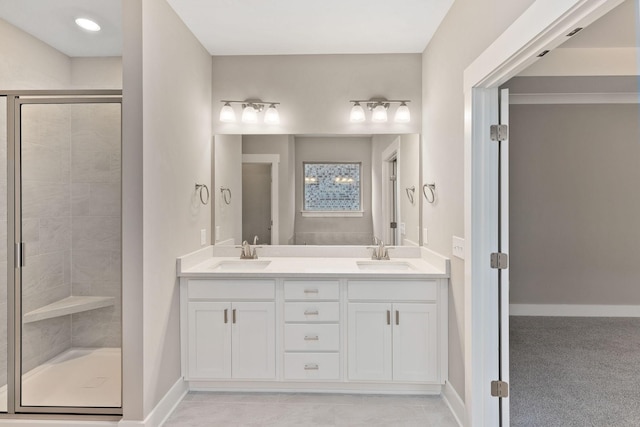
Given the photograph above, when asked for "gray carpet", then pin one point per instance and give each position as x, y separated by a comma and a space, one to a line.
574, 371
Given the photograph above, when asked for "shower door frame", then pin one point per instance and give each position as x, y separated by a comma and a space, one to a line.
15, 99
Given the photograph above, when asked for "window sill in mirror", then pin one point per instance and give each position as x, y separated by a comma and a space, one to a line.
332, 214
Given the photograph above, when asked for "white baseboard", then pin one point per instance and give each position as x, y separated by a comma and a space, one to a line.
574, 310
454, 402
163, 409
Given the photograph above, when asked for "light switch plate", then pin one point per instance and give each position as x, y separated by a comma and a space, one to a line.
458, 247
403, 229
203, 237
217, 233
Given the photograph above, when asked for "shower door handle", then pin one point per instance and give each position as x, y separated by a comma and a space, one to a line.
20, 254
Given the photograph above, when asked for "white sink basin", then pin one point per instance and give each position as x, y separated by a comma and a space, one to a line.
384, 265
241, 265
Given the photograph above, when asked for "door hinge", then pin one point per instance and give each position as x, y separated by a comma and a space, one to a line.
393, 225
499, 389
499, 260
499, 132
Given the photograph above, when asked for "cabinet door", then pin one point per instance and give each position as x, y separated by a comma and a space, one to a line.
209, 340
415, 342
253, 340
369, 341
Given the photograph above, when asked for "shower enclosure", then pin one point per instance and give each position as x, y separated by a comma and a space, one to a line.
60, 207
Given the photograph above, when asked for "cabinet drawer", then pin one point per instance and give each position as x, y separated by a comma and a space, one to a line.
232, 289
393, 290
311, 366
311, 311
311, 337
310, 290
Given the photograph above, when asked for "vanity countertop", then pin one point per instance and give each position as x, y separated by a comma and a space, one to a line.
412, 263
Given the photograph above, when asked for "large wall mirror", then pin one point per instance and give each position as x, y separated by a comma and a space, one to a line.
316, 190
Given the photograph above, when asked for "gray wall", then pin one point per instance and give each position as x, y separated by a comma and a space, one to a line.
574, 204
468, 29
334, 230
166, 150
315, 90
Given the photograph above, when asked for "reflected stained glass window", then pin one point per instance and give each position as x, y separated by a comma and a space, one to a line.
332, 187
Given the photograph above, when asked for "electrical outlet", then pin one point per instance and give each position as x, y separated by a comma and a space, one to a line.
425, 236
217, 233
403, 229
203, 237
458, 247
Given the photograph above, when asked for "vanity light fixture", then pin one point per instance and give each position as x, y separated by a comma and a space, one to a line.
250, 110
379, 107
87, 24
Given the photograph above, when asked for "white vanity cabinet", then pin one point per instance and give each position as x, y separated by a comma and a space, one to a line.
393, 331
231, 336
315, 325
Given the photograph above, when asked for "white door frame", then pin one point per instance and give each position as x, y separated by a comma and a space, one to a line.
388, 155
274, 161
543, 26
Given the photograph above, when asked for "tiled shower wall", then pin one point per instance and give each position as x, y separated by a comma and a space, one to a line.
71, 225
95, 224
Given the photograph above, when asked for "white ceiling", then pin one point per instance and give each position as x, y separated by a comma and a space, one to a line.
53, 21
288, 27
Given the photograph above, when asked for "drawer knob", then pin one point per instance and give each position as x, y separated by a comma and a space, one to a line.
311, 338
311, 367
311, 312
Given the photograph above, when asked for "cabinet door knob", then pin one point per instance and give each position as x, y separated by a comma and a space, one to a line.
226, 315
388, 317
311, 338
397, 317
233, 315
311, 367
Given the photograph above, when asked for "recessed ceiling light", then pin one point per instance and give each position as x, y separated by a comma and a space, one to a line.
88, 24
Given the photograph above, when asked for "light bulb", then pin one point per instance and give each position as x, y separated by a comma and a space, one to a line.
357, 113
379, 114
88, 24
249, 114
227, 114
271, 116
403, 115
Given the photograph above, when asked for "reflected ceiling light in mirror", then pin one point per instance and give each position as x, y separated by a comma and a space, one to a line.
357, 113
250, 110
379, 107
87, 24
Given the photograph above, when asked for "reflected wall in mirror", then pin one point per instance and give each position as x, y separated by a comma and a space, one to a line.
265, 175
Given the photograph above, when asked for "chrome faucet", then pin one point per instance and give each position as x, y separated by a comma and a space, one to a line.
380, 251
246, 251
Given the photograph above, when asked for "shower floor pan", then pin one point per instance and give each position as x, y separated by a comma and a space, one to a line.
80, 377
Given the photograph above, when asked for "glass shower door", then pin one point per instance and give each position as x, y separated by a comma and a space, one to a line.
69, 294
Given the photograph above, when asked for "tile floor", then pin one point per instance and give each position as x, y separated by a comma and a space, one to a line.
302, 410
